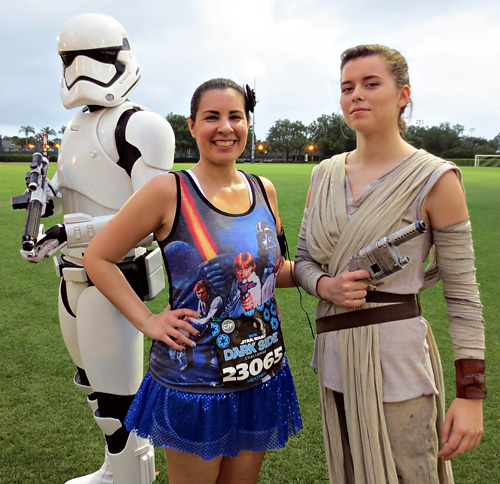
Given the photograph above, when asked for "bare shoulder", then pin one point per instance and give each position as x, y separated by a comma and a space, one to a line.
273, 199
163, 186
445, 204
448, 185
268, 186
156, 198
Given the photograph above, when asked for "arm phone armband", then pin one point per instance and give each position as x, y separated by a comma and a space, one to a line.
283, 243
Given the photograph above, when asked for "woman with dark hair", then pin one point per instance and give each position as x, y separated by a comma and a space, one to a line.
379, 371
217, 416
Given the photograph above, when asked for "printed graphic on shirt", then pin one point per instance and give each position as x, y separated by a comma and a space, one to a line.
250, 348
225, 268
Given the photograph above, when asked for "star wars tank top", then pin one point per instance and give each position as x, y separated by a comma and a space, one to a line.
223, 266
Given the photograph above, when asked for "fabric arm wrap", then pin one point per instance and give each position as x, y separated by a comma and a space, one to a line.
307, 270
455, 262
471, 382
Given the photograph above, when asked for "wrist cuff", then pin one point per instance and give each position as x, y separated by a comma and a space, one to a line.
471, 382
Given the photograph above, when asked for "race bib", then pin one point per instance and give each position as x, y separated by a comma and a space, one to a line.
249, 348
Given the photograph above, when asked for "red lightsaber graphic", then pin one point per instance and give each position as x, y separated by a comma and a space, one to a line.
202, 239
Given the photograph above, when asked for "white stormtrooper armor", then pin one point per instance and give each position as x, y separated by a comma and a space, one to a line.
103, 160
99, 68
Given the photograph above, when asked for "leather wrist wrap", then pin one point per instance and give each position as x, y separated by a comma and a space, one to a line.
471, 382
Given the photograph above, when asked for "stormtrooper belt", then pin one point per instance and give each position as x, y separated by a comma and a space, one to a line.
144, 273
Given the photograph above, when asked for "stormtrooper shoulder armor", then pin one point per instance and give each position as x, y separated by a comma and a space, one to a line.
154, 137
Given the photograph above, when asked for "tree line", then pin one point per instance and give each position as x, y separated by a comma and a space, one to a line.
329, 135
292, 140
34, 141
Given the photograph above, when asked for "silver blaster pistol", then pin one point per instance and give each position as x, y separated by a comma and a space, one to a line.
382, 258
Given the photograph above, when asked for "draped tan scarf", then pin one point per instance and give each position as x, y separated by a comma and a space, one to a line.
331, 240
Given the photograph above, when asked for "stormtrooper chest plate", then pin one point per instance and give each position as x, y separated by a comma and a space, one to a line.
85, 168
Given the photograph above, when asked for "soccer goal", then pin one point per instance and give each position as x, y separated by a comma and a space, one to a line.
487, 160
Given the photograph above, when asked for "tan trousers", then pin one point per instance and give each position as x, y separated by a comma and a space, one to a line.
414, 442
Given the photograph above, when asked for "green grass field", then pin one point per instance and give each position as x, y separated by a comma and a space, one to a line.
47, 434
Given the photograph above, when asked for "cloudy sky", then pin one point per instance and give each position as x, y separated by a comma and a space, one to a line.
289, 48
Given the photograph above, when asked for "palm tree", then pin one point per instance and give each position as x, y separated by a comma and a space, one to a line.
27, 130
49, 131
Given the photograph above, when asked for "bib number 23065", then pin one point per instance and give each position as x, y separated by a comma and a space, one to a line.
250, 348
247, 371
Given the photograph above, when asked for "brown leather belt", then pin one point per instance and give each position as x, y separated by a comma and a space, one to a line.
405, 306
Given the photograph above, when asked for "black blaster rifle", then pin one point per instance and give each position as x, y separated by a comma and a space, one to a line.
34, 200
382, 258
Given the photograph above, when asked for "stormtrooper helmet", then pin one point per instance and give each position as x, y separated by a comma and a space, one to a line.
98, 65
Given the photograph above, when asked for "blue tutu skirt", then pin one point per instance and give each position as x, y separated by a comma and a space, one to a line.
259, 418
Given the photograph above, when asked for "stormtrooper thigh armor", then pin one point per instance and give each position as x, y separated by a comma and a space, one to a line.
100, 340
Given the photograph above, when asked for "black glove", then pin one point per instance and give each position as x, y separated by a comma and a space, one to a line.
47, 245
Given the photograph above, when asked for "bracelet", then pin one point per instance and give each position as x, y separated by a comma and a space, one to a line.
471, 382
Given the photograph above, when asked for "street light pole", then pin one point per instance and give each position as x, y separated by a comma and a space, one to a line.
253, 127
260, 148
45, 138
311, 150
